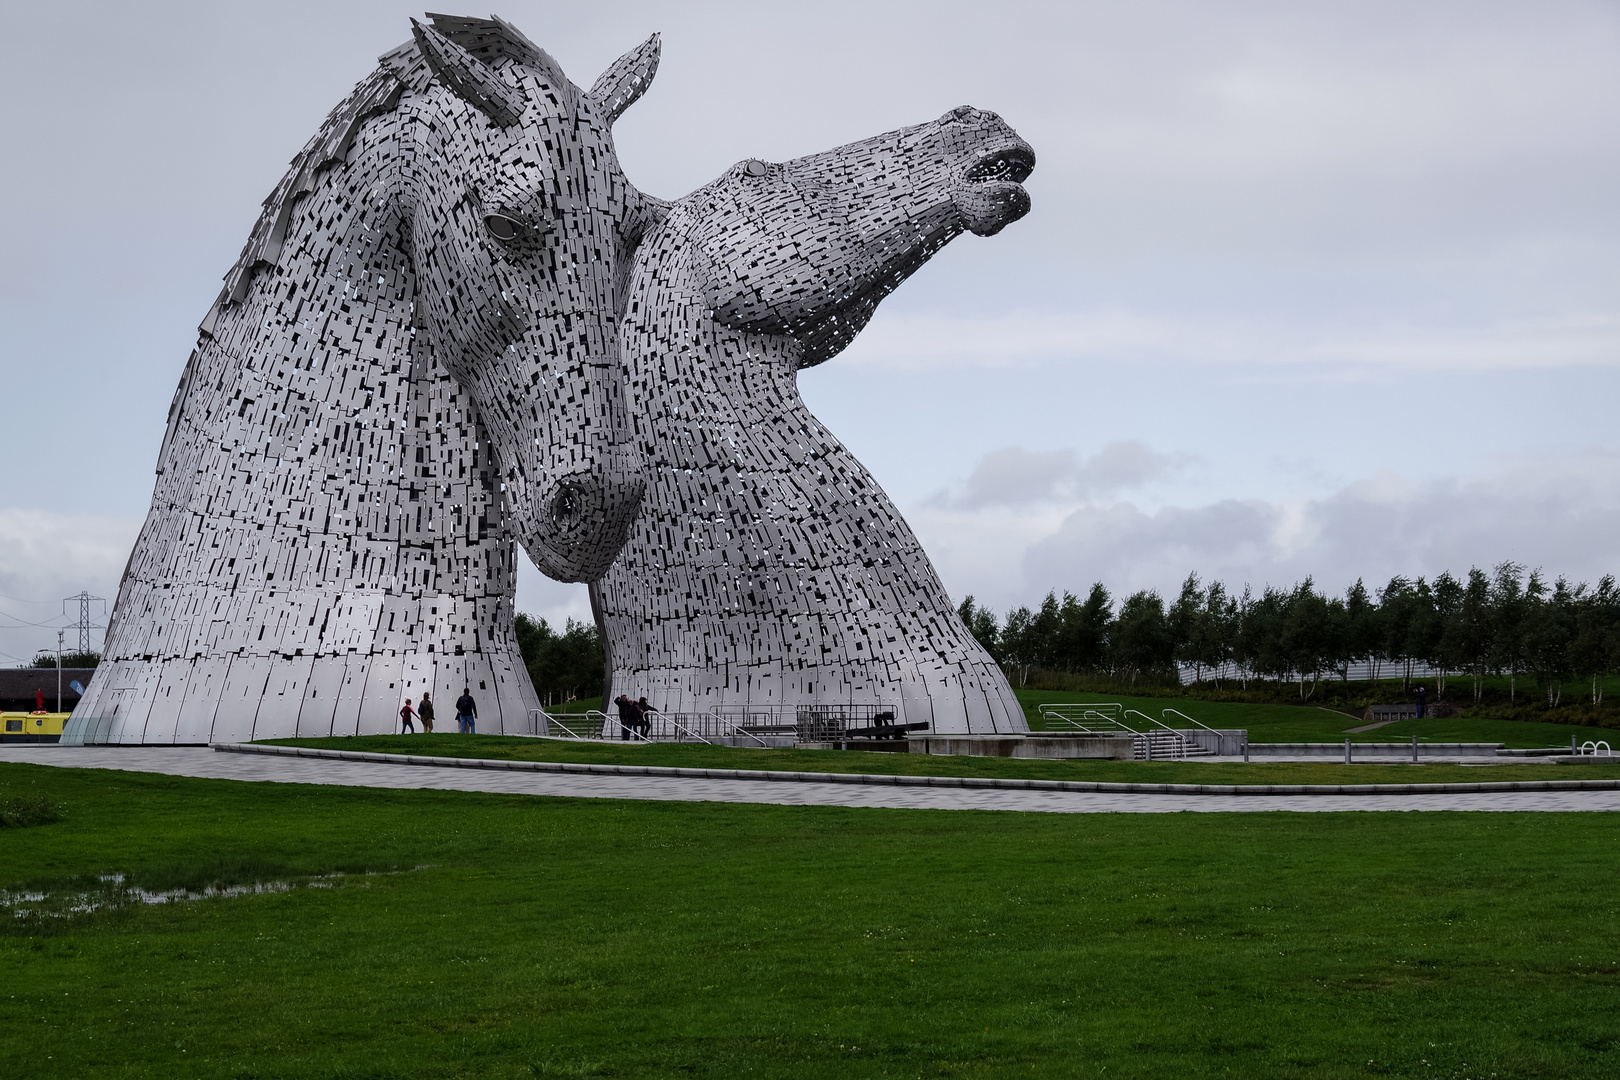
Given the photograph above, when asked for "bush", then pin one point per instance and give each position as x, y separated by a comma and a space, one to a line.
69, 659
19, 813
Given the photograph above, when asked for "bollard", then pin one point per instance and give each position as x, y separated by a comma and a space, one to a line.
1572, 747
1414, 749
1245, 749
1347, 751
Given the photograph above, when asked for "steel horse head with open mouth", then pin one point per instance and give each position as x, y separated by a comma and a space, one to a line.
767, 567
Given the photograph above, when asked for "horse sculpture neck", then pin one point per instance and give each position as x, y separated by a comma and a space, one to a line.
413, 364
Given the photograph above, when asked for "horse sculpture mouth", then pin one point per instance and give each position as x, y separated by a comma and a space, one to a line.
990, 194
1010, 164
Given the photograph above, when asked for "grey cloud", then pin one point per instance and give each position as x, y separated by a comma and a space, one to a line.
1013, 476
45, 556
1560, 515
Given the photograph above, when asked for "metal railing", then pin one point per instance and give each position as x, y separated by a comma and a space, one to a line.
1166, 742
1190, 720
1093, 718
747, 724
585, 725
1150, 739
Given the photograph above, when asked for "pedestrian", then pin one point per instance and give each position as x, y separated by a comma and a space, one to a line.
466, 712
646, 725
629, 717
405, 715
1422, 697
425, 711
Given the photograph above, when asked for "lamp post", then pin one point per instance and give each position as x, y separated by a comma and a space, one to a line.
59, 634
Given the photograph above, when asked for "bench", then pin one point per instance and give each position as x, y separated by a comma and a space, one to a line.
884, 727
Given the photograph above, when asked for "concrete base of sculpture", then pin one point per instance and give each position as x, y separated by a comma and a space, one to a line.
242, 698
1112, 747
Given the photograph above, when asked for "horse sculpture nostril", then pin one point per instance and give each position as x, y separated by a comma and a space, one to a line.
567, 504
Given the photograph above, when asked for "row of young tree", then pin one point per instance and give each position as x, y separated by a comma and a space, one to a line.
562, 666
1503, 622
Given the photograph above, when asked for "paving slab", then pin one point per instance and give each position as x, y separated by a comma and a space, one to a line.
204, 762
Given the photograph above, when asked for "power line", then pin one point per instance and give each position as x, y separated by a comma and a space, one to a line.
20, 600
27, 622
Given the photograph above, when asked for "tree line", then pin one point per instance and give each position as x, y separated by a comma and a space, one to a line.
1503, 622
563, 666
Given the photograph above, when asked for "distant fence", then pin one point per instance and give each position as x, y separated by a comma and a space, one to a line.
1360, 672
735, 724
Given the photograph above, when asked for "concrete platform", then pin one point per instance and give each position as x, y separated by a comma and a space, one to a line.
1057, 745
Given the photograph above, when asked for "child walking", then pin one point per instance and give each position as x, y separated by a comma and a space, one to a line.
405, 715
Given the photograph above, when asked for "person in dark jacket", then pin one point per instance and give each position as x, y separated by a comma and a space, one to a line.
425, 712
1421, 696
629, 717
642, 708
405, 714
466, 712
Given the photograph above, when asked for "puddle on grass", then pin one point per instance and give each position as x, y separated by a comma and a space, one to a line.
110, 891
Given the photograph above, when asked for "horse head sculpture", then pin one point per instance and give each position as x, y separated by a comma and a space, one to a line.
521, 228
767, 567
858, 221
413, 363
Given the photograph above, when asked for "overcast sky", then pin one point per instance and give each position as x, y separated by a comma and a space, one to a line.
1324, 288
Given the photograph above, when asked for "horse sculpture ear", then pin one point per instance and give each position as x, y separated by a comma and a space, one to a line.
626, 80
469, 77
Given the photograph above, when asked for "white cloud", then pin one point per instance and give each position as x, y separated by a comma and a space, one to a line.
554, 601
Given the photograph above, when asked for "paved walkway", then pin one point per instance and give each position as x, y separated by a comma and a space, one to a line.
203, 762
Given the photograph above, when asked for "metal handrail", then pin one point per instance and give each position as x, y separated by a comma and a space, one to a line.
678, 726
1091, 714
590, 718
1149, 719
737, 729
1179, 741
1189, 719
570, 732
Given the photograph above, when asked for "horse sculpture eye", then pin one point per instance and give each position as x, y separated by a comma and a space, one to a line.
754, 167
501, 227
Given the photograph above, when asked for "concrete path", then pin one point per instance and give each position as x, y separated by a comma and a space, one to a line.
203, 762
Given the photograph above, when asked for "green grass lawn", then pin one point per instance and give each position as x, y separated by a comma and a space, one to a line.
509, 936
1309, 723
699, 756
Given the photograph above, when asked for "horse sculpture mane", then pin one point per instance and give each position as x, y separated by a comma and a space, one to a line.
412, 364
